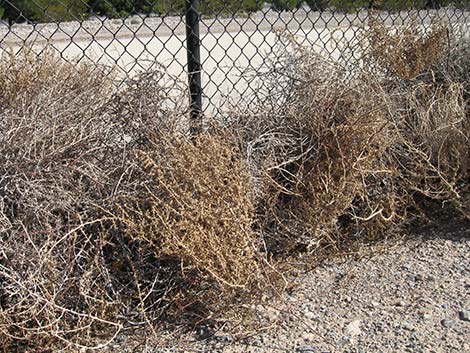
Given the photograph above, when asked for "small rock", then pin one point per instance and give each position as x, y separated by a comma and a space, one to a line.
401, 303
407, 326
309, 315
305, 349
272, 315
374, 304
424, 315
379, 326
286, 317
308, 337
405, 267
268, 313
415, 278
354, 328
205, 332
222, 338
344, 341
464, 315
448, 323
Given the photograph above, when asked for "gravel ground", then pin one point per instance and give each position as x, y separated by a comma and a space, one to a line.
411, 295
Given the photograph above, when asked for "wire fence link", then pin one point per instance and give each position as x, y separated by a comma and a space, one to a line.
235, 36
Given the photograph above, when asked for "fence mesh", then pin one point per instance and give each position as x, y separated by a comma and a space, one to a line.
236, 36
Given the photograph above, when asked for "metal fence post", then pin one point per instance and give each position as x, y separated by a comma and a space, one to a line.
194, 64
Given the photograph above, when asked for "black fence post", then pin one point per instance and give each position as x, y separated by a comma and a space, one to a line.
194, 64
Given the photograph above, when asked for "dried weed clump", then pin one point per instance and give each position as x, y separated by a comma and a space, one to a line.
348, 156
318, 156
69, 279
111, 217
403, 52
197, 207
434, 130
430, 111
54, 167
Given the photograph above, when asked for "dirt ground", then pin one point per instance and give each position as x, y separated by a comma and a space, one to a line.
410, 294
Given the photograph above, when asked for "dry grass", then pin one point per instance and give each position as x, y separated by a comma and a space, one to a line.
320, 154
349, 156
404, 52
113, 218
197, 208
434, 129
52, 171
68, 279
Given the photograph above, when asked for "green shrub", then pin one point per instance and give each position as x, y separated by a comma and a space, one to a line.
350, 5
166, 7
113, 9
214, 7
391, 5
101, 7
397, 5
253, 5
318, 4
461, 4
122, 8
229, 7
45, 10
60, 10
285, 5
57, 10
19, 10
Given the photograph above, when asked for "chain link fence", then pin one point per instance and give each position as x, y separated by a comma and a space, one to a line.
218, 42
